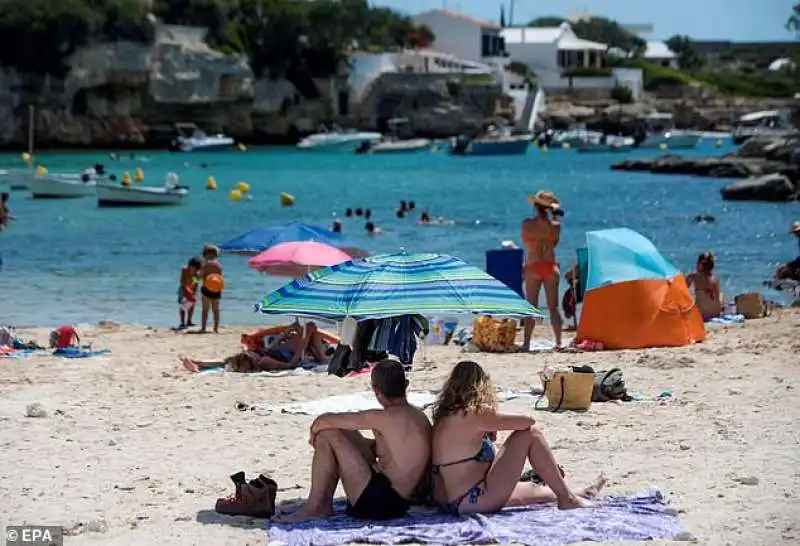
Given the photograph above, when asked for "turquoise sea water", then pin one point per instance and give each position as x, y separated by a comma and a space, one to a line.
68, 261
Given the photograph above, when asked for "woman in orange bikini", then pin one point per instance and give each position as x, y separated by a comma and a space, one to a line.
541, 234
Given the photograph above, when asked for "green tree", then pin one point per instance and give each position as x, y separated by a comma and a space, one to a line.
688, 56
599, 29
793, 22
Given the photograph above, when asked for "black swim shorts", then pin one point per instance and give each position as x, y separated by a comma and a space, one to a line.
379, 501
209, 294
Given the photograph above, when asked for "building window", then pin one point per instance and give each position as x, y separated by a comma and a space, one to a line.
486, 45
562, 59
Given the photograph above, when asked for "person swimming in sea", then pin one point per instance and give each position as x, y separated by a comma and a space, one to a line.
336, 226
707, 289
372, 229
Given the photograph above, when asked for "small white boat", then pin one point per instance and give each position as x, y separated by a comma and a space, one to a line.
337, 139
192, 139
18, 178
120, 195
400, 146
54, 186
495, 141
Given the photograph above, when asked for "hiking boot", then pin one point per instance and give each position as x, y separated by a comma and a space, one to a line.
255, 499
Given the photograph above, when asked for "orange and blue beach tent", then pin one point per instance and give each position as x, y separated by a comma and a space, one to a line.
633, 297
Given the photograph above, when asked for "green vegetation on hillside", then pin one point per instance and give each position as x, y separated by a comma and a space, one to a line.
278, 36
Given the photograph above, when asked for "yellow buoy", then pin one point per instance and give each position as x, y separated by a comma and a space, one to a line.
26, 157
566, 145
235, 195
287, 199
41, 170
663, 146
434, 149
138, 175
242, 147
126, 179
211, 184
243, 187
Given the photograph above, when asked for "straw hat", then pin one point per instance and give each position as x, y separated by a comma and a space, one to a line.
795, 228
544, 198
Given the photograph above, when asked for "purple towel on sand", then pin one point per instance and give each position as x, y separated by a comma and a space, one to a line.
641, 517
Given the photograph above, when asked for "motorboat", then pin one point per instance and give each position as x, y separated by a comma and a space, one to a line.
674, 140
192, 139
494, 141
336, 139
767, 123
573, 137
393, 143
112, 194
44, 185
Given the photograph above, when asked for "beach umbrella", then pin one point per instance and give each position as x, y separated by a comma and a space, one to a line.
261, 239
391, 285
295, 259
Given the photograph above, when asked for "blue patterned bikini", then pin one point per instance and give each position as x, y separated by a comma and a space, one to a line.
485, 455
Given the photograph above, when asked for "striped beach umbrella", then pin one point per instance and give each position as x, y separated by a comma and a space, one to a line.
391, 285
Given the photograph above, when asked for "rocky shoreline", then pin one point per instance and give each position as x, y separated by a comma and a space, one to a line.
770, 167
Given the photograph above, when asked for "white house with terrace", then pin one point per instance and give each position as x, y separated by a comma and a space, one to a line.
553, 52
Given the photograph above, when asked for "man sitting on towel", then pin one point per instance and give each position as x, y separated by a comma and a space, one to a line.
378, 476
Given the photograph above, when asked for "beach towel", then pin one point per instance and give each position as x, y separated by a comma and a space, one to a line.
20, 353
727, 319
641, 517
362, 401
320, 368
79, 352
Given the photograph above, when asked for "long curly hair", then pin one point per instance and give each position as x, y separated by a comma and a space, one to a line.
467, 390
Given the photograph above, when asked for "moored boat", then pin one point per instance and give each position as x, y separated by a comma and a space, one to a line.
111, 194
191, 139
52, 186
337, 139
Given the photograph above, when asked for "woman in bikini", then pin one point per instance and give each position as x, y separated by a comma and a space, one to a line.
541, 234
468, 477
295, 345
707, 289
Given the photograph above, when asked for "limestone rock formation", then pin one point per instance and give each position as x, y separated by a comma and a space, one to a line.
769, 187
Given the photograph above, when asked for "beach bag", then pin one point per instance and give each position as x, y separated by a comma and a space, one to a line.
751, 305
610, 385
492, 335
569, 389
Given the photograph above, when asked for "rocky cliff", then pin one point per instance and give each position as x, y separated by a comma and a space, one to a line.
127, 94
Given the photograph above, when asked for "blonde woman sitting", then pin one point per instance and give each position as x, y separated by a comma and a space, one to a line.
468, 476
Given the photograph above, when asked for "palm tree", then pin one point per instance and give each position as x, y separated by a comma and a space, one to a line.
793, 23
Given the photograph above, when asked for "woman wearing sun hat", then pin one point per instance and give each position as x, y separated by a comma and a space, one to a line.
541, 235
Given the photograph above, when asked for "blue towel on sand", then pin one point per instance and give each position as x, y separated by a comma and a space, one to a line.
79, 352
727, 319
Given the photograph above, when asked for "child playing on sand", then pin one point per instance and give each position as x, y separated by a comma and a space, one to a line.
212, 286
707, 289
187, 291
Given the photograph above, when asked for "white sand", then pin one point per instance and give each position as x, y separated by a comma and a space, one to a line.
135, 450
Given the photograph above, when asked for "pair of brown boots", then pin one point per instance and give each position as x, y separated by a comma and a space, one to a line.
255, 498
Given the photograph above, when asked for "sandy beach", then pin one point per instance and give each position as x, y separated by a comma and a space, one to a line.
135, 450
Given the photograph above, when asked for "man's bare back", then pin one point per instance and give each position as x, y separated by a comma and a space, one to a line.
403, 447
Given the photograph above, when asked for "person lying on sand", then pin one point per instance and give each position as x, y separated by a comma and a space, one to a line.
285, 353
379, 476
468, 477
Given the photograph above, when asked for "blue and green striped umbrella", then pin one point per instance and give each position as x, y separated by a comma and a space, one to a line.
390, 285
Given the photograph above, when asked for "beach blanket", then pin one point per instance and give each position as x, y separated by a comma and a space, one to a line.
641, 517
79, 352
362, 401
727, 319
6, 352
321, 368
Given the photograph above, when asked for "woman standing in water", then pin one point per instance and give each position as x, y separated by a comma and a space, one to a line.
541, 235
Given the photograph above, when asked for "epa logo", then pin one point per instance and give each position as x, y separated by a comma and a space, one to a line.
34, 535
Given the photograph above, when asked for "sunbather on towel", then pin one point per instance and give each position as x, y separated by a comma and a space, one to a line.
285, 353
379, 476
468, 477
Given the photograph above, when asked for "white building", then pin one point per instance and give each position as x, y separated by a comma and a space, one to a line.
659, 52
463, 36
553, 52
